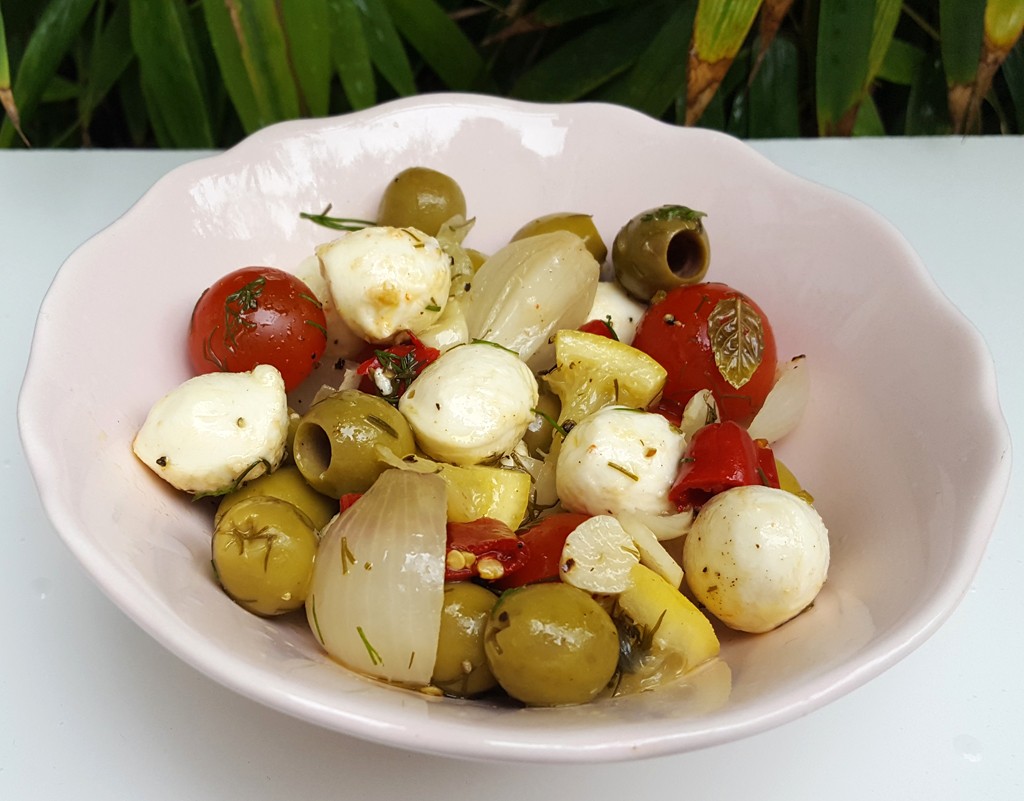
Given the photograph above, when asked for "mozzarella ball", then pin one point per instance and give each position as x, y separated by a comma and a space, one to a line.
472, 405
619, 460
216, 428
612, 303
756, 556
386, 280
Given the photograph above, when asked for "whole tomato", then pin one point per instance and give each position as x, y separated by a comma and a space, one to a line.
258, 315
710, 336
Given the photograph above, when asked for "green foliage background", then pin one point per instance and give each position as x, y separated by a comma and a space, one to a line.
204, 73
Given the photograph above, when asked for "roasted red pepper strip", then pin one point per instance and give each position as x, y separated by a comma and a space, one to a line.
545, 542
484, 548
391, 370
721, 456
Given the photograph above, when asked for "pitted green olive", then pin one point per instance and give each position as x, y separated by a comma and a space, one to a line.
540, 432
421, 198
551, 644
336, 441
461, 665
263, 550
287, 484
660, 249
580, 224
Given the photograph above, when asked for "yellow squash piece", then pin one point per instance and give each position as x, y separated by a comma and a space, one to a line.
475, 491
592, 372
679, 633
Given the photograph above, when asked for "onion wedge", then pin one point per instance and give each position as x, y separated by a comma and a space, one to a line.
378, 580
785, 404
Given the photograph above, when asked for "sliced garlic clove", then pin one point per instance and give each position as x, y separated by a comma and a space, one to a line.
598, 556
652, 553
700, 410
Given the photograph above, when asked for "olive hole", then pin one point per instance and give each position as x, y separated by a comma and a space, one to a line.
686, 255
315, 447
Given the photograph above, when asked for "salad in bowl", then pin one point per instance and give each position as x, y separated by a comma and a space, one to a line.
729, 468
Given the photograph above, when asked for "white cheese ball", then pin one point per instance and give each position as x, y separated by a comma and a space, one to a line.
619, 460
756, 556
472, 405
215, 428
612, 303
386, 280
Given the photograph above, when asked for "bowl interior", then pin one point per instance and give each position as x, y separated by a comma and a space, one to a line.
908, 498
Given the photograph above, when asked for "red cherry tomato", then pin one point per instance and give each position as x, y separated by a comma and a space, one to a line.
258, 315
711, 336
544, 543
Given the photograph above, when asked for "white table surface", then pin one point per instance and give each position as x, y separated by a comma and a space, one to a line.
92, 708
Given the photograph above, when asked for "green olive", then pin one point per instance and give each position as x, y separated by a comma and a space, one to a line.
289, 443
540, 432
263, 551
661, 249
551, 644
287, 484
580, 224
336, 441
421, 198
461, 665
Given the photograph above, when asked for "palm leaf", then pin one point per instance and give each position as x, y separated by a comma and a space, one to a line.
659, 75
845, 32
309, 52
6, 95
351, 53
440, 42
109, 57
719, 30
252, 52
171, 73
775, 92
901, 63
386, 49
587, 62
60, 23
1013, 74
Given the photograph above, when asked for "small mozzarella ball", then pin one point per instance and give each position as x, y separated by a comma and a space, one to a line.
612, 303
619, 460
472, 405
342, 341
215, 428
756, 557
386, 280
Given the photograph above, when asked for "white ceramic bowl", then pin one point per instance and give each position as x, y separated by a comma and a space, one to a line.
903, 445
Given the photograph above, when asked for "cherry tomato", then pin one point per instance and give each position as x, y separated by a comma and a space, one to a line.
544, 543
258, 315
710, 336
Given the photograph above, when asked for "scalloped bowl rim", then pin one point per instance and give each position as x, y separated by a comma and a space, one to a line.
448, 733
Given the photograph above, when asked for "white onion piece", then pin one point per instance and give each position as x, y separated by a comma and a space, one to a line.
378, 580
652, 552
667, 527
785, 404
528, 290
